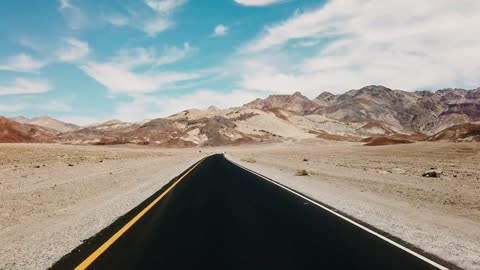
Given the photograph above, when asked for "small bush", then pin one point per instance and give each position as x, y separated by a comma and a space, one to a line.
249, 160
302, 172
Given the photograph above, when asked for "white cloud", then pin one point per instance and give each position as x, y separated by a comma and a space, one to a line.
76, 19
257, 3
64, 4
10, 108
157, 25
174, 54
367, 42
135, 57
117, 20
162, 20
56, 106
148, 107
119, 79
220, 30
22, 63
73, 50
164, 6
25, 86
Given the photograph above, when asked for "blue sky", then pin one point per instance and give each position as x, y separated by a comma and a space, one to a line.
89, 61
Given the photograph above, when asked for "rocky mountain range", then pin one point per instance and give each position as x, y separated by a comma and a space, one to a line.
47, 122
373, 114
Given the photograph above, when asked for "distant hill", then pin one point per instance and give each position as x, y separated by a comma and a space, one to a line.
47, 122
463, 132
15, 132
374, 114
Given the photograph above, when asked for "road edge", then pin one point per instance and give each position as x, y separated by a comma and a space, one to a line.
429, 258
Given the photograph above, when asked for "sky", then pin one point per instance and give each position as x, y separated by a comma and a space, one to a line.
86, 61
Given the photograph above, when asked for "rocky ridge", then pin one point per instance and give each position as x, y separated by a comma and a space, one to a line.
372, 113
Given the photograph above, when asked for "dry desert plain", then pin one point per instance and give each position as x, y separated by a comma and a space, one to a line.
54, 196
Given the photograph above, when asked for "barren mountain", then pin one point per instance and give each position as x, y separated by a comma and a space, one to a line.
296, 103
373, 114
110, 132
15, 132
47, 122
458, 133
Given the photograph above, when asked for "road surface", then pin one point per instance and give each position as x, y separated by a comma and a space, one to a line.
220, 216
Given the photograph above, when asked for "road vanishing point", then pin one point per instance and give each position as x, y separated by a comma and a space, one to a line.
219, 215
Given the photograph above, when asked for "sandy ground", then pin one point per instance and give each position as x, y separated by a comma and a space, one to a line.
48, 207
383, 186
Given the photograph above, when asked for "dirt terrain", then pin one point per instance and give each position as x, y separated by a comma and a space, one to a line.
54, 196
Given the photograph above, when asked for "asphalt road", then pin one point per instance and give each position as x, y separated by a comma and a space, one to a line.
220, 216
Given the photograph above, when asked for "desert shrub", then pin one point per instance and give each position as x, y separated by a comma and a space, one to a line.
301, 172
249, 160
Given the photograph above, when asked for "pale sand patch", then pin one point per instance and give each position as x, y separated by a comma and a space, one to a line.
440, 216
48, 211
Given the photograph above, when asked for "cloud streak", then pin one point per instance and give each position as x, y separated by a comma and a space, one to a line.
73, 50
132, 70
258, 3
22, 63
25, 86
162, 20
354, 43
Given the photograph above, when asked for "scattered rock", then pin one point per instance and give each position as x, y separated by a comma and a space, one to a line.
70, 165
38, 166
397, 171
432, 173
305, 160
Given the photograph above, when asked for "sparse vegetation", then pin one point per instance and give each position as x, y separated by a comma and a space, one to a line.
249, 160
302, 172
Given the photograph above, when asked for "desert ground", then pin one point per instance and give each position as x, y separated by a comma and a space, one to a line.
52, 196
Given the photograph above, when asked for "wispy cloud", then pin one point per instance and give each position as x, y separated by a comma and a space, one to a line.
11, 108
134, 57
220, 30
56, 106
163, 17
258, 3
157, 25
164, 6
25, 86
64, 4
22, 63
73, 50
74, 16
174, 54
353, 43
120, 80
132, 70
117, 20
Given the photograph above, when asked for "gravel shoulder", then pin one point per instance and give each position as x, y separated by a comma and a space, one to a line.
54, 196
383, 186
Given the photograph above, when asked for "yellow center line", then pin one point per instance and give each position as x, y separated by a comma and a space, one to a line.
127, 226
